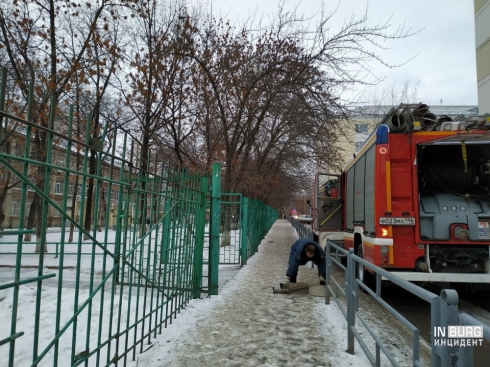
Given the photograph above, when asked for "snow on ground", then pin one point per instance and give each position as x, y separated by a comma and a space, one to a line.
266, 330
332, 339
182, 330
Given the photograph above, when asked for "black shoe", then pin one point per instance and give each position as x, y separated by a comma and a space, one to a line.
322, 282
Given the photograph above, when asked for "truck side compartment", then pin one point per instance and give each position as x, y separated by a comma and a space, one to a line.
417, 197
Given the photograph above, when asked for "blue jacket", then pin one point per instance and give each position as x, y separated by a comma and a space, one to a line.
298, 257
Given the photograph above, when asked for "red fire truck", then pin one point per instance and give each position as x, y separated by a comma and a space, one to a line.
415, 199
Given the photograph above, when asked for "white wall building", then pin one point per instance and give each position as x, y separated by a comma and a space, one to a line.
482, 40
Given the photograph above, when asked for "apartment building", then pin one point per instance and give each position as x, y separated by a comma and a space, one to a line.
365, 119
13, 199
482, 43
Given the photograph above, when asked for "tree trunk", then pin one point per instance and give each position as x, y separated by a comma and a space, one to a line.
73, 207
31, 216
3, 196
90, 195
102, 210
38, 221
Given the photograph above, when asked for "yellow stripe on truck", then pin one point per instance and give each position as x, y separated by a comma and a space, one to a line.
388, 194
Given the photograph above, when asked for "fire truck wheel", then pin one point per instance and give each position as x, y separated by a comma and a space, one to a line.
362, 274
463, 289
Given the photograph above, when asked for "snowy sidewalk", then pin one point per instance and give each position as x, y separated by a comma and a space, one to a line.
248, 325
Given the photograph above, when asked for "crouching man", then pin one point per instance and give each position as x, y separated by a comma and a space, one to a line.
302, 251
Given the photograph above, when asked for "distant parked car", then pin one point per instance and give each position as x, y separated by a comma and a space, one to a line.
305, 218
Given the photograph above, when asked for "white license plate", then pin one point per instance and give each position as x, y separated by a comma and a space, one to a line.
397, 221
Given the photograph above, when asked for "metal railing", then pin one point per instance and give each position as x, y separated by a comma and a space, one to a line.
443, 309
303, 230
466, 353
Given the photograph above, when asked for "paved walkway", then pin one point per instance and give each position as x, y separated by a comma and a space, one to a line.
251, 326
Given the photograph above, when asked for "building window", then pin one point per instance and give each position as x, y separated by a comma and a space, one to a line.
362, 128
31, 183
15, 208
19, 150
58, 188
18, 185
70, 190
60, 162
361, 135
56, 213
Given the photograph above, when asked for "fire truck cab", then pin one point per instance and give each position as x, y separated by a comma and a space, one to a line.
416, 198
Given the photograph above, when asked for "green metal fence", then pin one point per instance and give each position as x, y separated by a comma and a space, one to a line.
258, 218
95, 289
237, 226
243, 224
230, 240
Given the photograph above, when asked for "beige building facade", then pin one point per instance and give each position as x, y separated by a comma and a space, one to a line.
482, 42
363, 122
13, 199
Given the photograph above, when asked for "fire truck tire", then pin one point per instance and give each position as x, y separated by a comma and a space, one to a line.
463, 289
343, 260
363, 274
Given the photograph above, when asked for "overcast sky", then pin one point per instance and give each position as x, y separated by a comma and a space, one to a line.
443, 51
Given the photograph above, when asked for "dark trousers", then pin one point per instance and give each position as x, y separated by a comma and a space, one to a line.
293, 277
321, 269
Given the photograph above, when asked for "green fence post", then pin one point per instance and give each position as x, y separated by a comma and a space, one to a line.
198, 254
215, 223
244, 232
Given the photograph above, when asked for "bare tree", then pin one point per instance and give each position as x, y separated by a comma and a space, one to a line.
151, 91
34, 36
264, 100
270, 99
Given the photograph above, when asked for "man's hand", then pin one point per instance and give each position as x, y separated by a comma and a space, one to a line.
322, 280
